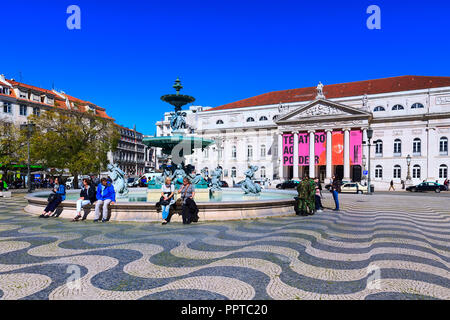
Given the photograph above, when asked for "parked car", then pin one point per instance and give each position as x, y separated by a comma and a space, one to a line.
328, 186
427, 186
238, 184
131, 182
354, 187
290, 184
224, 184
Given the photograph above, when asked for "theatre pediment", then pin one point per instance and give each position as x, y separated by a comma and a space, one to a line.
323, 110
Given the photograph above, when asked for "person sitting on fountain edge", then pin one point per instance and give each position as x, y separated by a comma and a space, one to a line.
105, 195
189, 210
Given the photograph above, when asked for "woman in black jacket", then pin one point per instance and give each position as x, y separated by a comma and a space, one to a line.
87, 196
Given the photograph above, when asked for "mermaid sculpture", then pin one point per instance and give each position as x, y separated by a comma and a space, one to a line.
248, 185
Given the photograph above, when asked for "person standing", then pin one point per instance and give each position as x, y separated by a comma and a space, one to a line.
106, 195
187, 193
318, 196
58, 196
392, 186
87, 196
311, 201
335, 189
3, 185
302, 190
167, 199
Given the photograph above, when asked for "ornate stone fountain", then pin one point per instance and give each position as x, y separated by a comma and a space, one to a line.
177, 146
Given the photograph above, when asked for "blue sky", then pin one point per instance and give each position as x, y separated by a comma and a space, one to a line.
128, 53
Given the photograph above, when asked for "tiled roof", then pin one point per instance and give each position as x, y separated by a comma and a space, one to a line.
341, 90
59, 102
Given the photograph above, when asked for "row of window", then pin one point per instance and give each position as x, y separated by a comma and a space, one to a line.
416, 171
251, 119
23, 109
399, 107
263, 152
417, 147
262, 172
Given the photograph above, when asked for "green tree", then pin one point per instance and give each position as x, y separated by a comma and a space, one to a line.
73, 140
12, 145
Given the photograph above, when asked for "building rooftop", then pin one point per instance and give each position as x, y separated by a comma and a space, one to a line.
341, 90
60, 98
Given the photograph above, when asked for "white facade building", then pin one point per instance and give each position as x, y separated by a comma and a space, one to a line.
410, 115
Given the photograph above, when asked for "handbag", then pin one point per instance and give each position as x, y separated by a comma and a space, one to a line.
51, 197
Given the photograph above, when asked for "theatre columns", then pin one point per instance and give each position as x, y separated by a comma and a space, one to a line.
280, 156
346, 153
312, 156
365, 147
329, 155
296, 168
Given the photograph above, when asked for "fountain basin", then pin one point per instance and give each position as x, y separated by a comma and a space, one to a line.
271, 203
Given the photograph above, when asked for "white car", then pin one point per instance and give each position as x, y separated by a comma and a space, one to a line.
353, 187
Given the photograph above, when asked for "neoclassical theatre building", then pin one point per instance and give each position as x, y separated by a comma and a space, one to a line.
282, 131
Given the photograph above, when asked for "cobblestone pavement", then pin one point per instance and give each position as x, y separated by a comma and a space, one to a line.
377, 247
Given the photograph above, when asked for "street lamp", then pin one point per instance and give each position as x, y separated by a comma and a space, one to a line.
408, 162
369, 137
28, 127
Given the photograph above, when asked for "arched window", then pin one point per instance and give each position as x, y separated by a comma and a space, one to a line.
233, 172
379, 108
398, 107
417, 147
249, 152
378, 171
263, 172
443, 171
443, 146
416, 171
219, 122
250, 119
397, 147
397, 171
417, 106
233, 152
378, 148
263, 151
263, 118
275, 117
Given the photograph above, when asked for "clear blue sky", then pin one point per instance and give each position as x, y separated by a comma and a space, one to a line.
128, 53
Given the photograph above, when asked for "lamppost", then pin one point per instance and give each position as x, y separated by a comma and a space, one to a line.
28, 127
408, 162
369, 137
364, 162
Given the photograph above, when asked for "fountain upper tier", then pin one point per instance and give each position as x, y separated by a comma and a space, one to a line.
185, 144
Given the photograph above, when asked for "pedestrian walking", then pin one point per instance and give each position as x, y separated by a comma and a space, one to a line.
87, 196
106, 195
318, 196
391, 186
335, 189
57, 196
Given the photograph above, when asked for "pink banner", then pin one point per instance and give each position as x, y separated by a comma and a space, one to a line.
355, 147
320, 148
303, 149
288, 150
